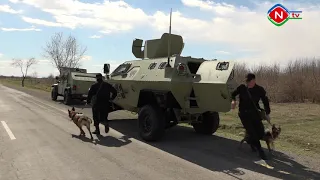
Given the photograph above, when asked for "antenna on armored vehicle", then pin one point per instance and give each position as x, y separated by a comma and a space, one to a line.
169, 40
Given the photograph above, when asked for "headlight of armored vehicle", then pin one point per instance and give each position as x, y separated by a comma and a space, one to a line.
182, 69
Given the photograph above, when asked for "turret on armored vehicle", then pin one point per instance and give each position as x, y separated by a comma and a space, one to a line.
165, 88
73, 83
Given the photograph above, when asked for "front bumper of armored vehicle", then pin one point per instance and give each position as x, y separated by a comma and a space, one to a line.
79, 96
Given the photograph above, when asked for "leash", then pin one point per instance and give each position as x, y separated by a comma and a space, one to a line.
85, 105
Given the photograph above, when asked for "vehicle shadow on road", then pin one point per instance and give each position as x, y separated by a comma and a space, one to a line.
217, 153
108, 141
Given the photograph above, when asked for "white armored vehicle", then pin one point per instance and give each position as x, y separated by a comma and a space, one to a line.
73, 83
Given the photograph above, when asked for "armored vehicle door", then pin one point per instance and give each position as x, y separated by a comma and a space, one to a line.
214, 88
63, 82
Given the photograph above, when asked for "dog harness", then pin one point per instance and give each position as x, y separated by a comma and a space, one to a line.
73, 116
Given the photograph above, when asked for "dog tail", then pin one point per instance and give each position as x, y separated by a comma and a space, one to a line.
90, 120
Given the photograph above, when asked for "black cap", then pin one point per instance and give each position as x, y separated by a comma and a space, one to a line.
99, 75
249, 77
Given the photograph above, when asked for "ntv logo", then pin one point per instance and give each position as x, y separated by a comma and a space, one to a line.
279, 15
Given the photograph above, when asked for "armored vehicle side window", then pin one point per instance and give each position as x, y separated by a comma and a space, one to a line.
152, 65
133, 71
222, 66
162, 65
123, 68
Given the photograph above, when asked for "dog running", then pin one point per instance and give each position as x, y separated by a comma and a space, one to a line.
269, 137
80, 120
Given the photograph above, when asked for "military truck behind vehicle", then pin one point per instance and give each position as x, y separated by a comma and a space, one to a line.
73, 83
165, 88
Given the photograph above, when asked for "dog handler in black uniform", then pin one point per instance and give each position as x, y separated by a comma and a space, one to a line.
101, 106
248, 113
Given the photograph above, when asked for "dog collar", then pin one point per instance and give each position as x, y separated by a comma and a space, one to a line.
74, 115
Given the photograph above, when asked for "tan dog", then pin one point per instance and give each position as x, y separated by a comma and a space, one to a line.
80, 120
269, 137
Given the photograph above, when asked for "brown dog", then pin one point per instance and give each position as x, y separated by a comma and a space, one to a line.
80, 120
269, 137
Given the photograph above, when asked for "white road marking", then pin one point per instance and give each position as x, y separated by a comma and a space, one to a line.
6, 127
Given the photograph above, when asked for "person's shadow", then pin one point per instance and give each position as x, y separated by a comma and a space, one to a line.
108, 141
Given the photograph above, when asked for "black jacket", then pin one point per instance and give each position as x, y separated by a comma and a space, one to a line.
257, 93
103, 95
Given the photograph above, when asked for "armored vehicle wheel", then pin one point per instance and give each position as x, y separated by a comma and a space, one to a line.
54, 94
66, 98
209, 123
151, 123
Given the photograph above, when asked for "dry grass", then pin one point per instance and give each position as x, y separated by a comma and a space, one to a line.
300, 123
34, 83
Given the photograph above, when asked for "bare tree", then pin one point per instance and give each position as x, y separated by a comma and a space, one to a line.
34, 75
24, 67
50, 76
64, 53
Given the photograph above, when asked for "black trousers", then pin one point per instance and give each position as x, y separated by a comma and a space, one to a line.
100, 115
254, 127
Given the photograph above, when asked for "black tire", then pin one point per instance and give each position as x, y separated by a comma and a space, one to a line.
151, 123
66, 98
209, 123
54, 94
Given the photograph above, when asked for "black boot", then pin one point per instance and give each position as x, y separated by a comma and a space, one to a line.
253, 149
97, 131
106, 127
262, 154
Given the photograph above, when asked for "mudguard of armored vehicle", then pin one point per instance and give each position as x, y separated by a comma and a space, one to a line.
165, 88
73, 83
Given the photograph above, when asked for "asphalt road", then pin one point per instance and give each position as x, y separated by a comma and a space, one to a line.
37, 142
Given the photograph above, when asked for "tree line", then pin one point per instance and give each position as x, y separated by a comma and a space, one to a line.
299, 81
